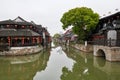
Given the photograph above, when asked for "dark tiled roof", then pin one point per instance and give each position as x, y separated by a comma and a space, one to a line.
105, 20
110, 16
14, 32
13, 22
32, 22
24, 23
7, 22
20, 19
39, 26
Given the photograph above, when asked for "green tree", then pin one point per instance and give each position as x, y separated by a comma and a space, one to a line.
83, 20
56, 35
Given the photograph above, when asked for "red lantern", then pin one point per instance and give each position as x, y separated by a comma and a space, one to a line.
117, 17
30, 26
8, 37
15, 38
28, 38
8, 25
23, 26
15, 26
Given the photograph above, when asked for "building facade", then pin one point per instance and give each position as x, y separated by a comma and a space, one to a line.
18, 33
107, 31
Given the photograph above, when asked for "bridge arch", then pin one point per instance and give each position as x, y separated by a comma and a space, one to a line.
101, 52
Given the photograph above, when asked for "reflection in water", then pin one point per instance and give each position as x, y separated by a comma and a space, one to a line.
57, 61
111, 69
22, 67
21, 59
87, 68
61, 63
52, 44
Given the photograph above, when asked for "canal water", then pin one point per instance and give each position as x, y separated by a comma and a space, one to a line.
58, 63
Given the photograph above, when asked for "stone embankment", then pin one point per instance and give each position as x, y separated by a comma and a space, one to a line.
18, 51
82, 47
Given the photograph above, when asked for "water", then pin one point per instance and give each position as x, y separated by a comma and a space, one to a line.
60, 63
56, 62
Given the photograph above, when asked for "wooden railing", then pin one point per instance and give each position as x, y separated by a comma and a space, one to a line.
27, 44
4, 47
107, 42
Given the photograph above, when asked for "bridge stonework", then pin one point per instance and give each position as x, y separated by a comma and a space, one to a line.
110, 53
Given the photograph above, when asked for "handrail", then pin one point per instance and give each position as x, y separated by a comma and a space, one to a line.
107, 42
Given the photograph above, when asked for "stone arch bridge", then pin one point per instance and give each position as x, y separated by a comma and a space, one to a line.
110, 53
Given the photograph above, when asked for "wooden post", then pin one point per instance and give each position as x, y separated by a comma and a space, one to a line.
110, 42
85, 43
33, 40
38, 40
22, 40
9, 41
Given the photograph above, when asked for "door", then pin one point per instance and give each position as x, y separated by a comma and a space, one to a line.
112, 37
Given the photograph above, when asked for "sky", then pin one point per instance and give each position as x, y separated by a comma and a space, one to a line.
49, 12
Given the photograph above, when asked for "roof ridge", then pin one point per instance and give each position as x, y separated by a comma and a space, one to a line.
19, 18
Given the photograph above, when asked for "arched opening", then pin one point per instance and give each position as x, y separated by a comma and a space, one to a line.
100, 52
101, 62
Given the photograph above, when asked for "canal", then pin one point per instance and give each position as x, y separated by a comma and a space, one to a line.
58, 63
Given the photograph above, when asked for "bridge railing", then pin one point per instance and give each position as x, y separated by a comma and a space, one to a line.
107, 42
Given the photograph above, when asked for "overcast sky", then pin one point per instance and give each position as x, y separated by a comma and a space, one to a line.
48, 12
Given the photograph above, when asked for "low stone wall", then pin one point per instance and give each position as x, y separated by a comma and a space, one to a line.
88, 48
16, 51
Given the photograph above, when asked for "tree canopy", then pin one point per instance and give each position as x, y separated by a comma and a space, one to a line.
83, 20
56, 35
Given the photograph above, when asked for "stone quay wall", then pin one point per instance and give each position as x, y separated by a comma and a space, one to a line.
19, 51
82, 47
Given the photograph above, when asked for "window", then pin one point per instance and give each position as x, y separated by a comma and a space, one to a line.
114, 23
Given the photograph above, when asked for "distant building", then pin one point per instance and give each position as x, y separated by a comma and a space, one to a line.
18, 32
69, 35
